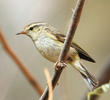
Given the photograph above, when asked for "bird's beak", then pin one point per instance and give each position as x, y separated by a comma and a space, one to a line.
21, 33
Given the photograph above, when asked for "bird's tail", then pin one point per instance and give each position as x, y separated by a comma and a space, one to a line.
88, 78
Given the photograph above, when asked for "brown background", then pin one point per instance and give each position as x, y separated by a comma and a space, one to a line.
92, 34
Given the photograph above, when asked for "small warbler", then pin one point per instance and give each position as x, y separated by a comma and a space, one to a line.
49, 43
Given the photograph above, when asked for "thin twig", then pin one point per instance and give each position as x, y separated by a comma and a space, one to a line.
49, 83
72, 28
21, 66
70, 34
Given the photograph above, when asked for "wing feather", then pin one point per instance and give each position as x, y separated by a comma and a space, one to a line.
82, 53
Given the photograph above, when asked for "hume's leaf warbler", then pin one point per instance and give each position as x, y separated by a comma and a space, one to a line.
49, 43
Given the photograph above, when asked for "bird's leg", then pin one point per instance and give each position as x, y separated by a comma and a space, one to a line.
60, 65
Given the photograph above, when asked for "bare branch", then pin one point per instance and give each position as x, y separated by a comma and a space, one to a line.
72, 28
70, 34
21, 66
49, 83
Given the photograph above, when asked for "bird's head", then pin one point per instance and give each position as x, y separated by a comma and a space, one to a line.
33, 30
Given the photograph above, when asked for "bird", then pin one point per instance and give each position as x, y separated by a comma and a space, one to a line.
49, 42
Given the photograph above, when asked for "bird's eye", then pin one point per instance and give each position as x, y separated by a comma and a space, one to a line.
31, 28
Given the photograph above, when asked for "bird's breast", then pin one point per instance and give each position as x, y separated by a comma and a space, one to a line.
51, 48
48, 47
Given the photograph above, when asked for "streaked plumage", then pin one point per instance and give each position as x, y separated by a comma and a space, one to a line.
49, 43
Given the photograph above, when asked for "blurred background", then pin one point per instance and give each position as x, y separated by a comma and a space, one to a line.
92, 34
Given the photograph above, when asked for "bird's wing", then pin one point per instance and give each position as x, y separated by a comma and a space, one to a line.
82, 53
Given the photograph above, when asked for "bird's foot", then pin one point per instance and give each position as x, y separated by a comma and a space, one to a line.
60, 65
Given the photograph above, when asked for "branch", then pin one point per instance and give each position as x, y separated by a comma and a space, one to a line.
21, 66
104, 76
49, 83
60, 65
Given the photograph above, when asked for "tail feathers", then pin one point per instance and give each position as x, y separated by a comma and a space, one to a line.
89, 79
